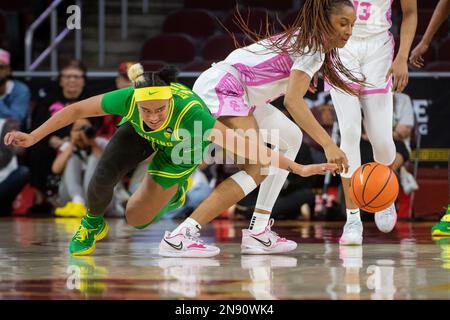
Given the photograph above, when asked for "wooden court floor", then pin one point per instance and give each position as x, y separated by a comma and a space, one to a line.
404, 264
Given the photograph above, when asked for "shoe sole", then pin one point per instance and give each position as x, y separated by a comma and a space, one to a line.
98, 237
350, 243
188, 254
439, 233
258, 250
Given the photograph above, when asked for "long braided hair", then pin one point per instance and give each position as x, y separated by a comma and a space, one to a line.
308, 34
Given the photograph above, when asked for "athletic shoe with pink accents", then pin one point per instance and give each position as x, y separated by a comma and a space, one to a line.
186, 243
265, 242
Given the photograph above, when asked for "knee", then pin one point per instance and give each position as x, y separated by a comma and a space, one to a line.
247, 181
351, 135
133, 219
384, 152
292, 136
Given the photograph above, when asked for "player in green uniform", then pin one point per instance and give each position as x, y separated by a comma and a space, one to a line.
178, 125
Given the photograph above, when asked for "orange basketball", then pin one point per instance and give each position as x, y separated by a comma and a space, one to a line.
373, 187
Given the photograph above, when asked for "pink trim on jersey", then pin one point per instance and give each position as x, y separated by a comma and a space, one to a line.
231, 97
389, 14
276, 68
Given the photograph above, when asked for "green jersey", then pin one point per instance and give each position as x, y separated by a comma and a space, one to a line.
181, 141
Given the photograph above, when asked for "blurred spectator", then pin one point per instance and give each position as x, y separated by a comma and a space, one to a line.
76, 162
403, 118
72, 81
13, 177
110, 122
14, 94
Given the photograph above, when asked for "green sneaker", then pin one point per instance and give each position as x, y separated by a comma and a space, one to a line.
83, 242
442, 228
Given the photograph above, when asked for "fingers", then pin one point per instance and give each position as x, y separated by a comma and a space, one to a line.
403, 82
316, 80
417, 61
389, 73
11, 138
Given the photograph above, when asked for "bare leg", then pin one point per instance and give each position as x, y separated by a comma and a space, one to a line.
228, 192
147, 202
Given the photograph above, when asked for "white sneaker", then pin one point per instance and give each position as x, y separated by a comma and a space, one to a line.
187, 243
351, 256
386, 219
352, 234
265, 242
409, 184
185, 275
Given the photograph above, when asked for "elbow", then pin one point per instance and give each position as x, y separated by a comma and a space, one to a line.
55, 170
288, 103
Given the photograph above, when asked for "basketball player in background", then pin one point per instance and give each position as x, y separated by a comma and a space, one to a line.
370, 52
441, 13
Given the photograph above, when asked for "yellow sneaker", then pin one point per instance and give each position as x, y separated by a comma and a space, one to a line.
71, 209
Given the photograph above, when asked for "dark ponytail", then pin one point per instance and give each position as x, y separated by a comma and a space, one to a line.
143, 79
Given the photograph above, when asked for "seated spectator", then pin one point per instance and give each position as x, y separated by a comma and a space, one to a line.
403, 126
13, 177
14, 94
110, 122
76, 162
72, 81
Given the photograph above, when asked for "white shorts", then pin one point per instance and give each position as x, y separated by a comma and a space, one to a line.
370, 57
221, 89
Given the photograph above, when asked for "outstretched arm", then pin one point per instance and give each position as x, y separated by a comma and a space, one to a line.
298, 85
90, 107
440, 15
251, 150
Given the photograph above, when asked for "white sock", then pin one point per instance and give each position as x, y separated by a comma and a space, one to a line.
189, 222
258, 222
78, 199
353, 215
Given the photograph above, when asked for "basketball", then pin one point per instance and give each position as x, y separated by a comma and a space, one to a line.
373, 187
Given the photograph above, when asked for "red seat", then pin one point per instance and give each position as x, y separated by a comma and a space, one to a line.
197, 23
220, 46
210, 4
255, 18
432, 185
172, 48
152, 65
444, 50
269, 4
198, 66
439, 66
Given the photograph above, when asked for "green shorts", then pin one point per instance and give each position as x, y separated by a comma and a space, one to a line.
165, 173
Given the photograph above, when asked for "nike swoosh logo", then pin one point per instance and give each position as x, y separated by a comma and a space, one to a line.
176, 247
266, 243
152, 93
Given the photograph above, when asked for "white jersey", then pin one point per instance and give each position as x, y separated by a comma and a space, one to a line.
373, 17
264, 73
